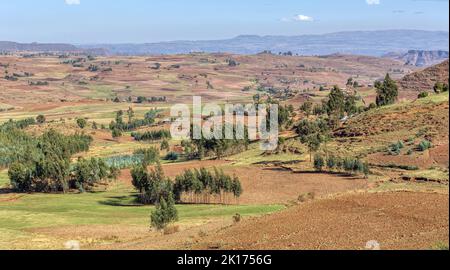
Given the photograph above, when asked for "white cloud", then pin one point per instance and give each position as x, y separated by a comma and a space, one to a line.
303, 18
373, 2
72, 2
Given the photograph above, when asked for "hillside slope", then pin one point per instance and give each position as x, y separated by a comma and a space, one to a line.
409, 122
425, 80
420, 58
416, 221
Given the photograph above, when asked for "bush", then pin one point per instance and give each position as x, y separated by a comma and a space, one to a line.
237, 218
40, 119
81, 122
21, 177
332, 163
319, 163
425, 145
165, 145
396, 148
440, 87
116, 133
423, 95
172, 156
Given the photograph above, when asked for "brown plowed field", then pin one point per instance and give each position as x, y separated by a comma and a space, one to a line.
401, 220
271, 185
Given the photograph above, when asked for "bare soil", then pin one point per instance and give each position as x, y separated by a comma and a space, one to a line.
271, 185
400, 220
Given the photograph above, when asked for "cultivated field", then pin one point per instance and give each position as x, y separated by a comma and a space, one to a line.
286, 202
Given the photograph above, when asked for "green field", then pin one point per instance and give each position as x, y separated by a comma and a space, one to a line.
21, 214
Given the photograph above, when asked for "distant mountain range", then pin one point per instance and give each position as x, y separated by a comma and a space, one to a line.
373, 43
420, 58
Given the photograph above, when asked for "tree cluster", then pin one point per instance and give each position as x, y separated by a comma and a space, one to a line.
44, 164
202, 186
336, 164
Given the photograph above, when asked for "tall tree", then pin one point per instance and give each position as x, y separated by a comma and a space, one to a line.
387, 91
336, 102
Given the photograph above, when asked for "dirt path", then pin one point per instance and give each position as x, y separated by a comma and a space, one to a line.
400, 220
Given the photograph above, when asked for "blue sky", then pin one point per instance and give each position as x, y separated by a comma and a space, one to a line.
118, 21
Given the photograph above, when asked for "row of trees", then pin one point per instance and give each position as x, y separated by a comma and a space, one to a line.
338, 104
193, 186
132, 123
202, 186
218, 148
336, 164
153, 135
86, 173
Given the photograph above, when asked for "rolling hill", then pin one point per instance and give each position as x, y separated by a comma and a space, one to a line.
420, 58
425, 80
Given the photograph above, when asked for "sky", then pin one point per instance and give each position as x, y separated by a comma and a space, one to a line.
139, 21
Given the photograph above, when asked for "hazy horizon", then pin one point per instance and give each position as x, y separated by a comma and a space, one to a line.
226, 38
115, 22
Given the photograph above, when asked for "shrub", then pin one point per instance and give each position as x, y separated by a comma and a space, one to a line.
440, 87
172, 156
425, 145
423, 95
21, 177
81, 122
332, 163
319, 163
165, 145
237, 218
395, 149
40, 119
116, 133
348, 165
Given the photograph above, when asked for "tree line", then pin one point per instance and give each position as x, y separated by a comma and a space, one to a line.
153, 135
194, 186
118, 125
336, 164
